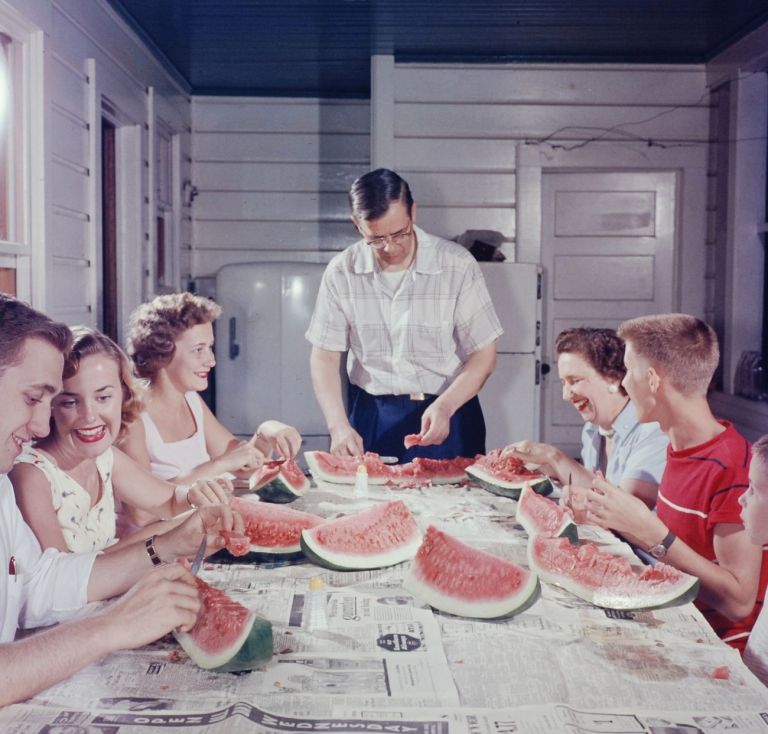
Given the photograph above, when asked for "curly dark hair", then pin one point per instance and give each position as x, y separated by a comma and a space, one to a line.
602, 348
87, 342
154, 328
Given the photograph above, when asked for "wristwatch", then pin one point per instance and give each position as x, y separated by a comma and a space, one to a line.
659, 550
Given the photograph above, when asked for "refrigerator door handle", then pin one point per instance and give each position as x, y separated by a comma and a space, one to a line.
234, 347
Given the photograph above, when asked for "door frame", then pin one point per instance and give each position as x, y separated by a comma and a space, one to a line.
691, 162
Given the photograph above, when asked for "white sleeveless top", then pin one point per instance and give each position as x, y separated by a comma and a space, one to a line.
85, 528
170, 459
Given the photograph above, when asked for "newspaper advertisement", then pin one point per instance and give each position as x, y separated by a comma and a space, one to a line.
134, 717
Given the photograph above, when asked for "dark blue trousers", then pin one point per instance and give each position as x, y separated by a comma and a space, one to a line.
384, 420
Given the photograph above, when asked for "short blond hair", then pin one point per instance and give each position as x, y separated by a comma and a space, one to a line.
682, 346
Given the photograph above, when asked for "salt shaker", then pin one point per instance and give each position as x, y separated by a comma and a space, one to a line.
361, 481
315, 603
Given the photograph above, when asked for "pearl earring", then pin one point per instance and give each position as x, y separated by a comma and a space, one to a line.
613, 389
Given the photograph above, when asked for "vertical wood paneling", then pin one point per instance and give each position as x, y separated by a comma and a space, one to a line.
272, 176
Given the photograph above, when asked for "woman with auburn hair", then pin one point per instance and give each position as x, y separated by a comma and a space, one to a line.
67, 485
178, 438
629, 453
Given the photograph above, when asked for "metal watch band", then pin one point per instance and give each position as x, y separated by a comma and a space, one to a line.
149, 544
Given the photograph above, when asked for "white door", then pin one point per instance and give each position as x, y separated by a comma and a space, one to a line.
608, 254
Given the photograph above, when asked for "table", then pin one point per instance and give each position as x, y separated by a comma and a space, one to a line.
387, 664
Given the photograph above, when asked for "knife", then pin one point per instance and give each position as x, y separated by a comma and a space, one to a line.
198, 557
389, 459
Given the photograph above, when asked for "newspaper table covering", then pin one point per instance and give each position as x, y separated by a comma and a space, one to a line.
386, 664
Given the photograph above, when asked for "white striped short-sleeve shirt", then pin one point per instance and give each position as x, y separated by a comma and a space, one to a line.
414, 339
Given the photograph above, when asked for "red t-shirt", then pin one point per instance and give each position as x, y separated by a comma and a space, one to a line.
700, 488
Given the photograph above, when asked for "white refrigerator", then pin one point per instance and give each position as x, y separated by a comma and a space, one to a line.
262, 368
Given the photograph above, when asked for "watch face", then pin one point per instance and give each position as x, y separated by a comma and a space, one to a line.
658, 551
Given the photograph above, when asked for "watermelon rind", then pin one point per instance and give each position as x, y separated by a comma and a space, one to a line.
448, 585
389, 527
252, 648
567, 528
279, 489
540, 484
612, 595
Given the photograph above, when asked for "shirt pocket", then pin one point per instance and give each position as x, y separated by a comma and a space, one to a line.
432, 341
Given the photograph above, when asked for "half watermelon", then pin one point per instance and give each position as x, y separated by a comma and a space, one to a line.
271, 532
542, 516
606, 580
454, 578
506, 476
227, 637
279, 481
383, 536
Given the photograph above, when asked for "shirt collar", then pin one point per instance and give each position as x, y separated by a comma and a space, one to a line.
625, 421
426, 263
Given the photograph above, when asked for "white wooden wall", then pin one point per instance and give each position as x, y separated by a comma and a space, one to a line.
459, 129
92, 59
272, 176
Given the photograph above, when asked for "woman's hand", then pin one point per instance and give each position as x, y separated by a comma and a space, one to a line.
215, 491
245, 458
531, 452
284, 441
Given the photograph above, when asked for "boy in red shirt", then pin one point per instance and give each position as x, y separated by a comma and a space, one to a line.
697, 527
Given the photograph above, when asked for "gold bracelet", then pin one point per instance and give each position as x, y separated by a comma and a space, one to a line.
149, 544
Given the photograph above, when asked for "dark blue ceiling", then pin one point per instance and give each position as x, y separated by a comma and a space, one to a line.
317, 48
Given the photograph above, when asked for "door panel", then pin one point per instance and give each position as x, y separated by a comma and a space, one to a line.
608, 254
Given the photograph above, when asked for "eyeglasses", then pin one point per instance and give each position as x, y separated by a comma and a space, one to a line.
398, 238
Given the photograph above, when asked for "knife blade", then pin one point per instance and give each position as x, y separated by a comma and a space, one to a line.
198, 561
389, 459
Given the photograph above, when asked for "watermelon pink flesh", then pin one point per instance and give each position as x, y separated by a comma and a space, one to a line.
506, 468
342, 469
607, 580
458, 579
382, 536
269, 528
222, 629
412, 439
542, 516
226, 635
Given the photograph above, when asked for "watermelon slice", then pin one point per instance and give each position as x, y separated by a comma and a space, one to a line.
271, 531
606, 580
227, 637
454, 578
279, 481
411, 440
506, 476
542, 516
382, 536
342, 469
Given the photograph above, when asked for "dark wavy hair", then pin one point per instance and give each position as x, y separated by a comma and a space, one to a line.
601, 348
371, 195
19, 322
87, 342
155, 326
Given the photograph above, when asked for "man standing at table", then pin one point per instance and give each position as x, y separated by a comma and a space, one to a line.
414, 313
40, 588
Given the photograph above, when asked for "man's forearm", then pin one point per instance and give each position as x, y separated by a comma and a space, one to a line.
50, 656
326, 381
470, 380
